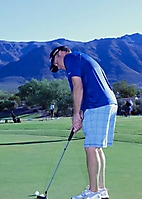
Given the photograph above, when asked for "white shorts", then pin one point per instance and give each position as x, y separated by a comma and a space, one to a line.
98, 126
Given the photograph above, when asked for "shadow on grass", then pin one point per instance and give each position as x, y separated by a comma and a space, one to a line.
36, 142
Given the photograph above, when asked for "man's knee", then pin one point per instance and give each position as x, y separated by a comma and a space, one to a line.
92, 149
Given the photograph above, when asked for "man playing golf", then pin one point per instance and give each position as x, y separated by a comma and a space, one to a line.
94, 110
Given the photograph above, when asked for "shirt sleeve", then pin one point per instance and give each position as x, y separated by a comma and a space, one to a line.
72, 65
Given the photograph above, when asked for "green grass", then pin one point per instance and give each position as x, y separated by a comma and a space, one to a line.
40, 127
129, 129
26, 168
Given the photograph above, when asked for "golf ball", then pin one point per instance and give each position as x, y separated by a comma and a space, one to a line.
36, 193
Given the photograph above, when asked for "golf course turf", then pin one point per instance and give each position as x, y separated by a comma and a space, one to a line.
30, 151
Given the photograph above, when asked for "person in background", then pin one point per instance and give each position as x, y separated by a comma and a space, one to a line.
129, 107
94, 110
52, 106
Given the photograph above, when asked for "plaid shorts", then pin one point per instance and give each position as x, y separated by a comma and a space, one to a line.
98, 126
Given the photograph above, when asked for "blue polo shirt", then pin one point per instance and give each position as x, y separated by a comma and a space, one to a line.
97, 91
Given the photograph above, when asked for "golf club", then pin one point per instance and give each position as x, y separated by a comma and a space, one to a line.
44, 196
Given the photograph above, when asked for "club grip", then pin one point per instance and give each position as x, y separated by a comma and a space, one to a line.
71, 135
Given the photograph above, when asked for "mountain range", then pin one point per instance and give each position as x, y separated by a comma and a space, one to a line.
121, 59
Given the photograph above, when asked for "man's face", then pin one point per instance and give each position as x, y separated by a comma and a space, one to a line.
59, 60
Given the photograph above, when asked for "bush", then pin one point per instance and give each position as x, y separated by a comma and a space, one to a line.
7, 104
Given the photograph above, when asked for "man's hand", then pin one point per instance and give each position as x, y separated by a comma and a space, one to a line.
76, 123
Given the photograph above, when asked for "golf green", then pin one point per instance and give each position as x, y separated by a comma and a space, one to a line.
28, 167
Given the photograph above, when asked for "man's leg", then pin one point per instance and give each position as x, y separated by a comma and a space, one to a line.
102, 168
93, 166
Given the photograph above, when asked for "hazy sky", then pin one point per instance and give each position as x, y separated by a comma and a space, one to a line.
79, 20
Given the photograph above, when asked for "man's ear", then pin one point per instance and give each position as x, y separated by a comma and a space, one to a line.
60, 52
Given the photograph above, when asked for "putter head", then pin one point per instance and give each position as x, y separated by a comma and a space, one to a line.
41, 196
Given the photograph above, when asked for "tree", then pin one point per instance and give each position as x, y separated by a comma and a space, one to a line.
43, 93
63, 100
3, 95
8, 101
28, 91
123, 90
7, 105
138, 106
16, 99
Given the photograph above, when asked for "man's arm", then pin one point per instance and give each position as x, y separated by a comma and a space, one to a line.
77, 100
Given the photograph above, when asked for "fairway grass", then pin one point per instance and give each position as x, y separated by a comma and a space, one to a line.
129, 129
32, 150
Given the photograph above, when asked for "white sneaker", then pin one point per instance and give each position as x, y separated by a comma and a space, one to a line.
104, 193
87, 194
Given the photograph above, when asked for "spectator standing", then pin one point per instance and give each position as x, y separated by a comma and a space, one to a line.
52, 107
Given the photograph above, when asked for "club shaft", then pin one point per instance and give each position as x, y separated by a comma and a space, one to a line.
56, 167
